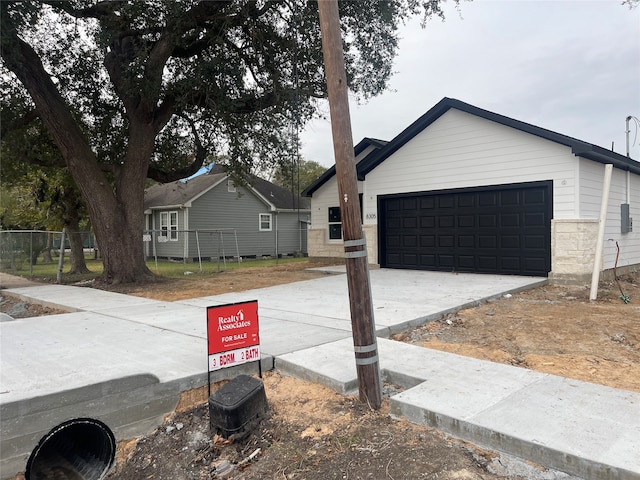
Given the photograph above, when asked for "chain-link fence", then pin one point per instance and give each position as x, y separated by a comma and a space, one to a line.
20, 250
222, 245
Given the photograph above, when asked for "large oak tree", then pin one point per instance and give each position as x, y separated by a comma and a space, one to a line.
137, 89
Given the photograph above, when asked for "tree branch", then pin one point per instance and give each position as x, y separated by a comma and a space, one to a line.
200, 156
18, 123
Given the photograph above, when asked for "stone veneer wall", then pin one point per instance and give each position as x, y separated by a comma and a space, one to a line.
320, 247
573, 246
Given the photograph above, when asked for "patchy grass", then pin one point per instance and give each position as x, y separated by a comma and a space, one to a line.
47, 272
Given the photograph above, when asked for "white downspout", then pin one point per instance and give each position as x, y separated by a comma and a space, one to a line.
606, 186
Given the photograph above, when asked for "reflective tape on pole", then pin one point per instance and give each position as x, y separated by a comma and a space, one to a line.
355, 248
365, 349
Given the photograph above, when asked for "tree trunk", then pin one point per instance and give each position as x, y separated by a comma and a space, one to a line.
71, 207
46, 253
115, 210
78, 265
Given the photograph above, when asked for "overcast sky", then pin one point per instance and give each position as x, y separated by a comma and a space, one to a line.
569, 66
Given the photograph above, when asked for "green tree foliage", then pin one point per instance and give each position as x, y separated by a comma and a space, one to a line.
38, 192
297, 177
130, 90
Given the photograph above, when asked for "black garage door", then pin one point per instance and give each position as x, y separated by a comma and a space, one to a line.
503, 229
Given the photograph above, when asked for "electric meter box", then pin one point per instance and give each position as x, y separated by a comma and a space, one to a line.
626, 220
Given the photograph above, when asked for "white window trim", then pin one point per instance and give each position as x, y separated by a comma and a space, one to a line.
167, 228
231, 186
268, 215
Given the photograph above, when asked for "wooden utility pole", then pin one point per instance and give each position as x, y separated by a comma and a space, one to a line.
362, 321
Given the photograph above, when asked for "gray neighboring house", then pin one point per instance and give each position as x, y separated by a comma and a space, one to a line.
209, 216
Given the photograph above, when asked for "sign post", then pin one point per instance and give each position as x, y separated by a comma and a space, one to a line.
233, 336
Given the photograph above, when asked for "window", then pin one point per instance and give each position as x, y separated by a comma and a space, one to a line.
231, 186
335, 223
169, 225
264, 221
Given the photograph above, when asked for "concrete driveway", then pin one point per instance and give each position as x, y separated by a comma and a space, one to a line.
124, 360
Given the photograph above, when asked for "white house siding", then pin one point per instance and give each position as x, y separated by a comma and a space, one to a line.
461, 150
621, 191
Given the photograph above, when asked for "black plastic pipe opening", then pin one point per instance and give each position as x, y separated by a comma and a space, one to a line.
78, 449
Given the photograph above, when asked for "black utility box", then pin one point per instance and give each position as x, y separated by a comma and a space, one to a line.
237, 406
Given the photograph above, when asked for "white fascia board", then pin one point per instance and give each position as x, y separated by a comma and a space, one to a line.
261, 197
170, 207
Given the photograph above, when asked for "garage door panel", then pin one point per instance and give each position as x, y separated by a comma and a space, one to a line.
511, 264
534, 242
509, 197
488, 221
487, 199
393, 205
428, 260
466, 241
534, 220
394, 223
409, 259
466, 200
492, 230
509, 220
393, 260
446, 221
445, 202
409, 241
466, 221
409, 222
410, 204
535, 197
427, 222
427, 241
446, 241
487, 241
534, 263
467, 263
446, 262
510, 241
427, 203
487, 263
394, 241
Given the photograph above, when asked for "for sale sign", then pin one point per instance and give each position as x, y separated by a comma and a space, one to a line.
232, 334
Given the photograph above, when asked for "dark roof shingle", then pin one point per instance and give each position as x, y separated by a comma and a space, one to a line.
182, 192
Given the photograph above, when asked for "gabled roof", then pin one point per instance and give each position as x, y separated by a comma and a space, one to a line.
180, 193
358, 149
578, 147
183, 193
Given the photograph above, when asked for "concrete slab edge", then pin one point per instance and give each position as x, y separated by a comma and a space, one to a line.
37, 301
494, 440
294, 370
142, 401
387, 332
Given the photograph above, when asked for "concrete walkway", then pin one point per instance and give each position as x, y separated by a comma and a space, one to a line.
124, 360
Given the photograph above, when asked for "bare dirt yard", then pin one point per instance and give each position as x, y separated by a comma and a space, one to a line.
313, 433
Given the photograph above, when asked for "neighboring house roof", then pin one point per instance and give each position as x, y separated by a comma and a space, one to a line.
182, 193
578, 147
